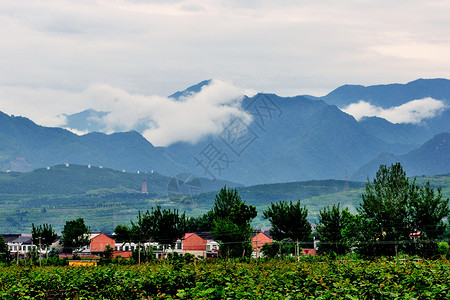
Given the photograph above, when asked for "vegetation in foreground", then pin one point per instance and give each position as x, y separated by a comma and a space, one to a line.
311, 278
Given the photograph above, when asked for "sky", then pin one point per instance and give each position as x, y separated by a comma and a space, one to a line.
61, 57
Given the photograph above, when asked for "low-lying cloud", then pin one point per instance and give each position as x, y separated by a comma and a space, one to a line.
162, 120
411, 112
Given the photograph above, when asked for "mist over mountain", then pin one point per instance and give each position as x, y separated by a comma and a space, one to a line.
27, 146
418, 110
272, 139
191, 90
88, 120
289, 139
388, 95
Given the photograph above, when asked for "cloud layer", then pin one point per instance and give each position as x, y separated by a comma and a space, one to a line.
411, 112
53, 54
165, 120
286, 47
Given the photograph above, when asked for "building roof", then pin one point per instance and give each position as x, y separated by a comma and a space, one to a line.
187, 235
93, 235
206, 235
10, 237
256, 232
267, 232
22, 240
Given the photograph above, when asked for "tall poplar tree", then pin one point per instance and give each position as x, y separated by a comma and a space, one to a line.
330, 226
231, 223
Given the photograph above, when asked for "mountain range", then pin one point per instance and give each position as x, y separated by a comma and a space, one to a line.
290, 139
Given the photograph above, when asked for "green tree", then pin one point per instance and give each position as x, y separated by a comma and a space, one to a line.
122, 234
125, 234
288, 221
5, 256
278, 249
145, 226
359, 234
201, 223
428, 209
329, 227
108, 252
170, 226
43, 235
231, 223
385, 202
394, 208
75, 235
225, 200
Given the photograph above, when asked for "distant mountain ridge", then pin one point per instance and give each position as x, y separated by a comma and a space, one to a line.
388, 95
290, 139
190, 90
403, 137
431, 158
27, 146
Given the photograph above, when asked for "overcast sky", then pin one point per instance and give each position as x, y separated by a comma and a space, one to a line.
54, 53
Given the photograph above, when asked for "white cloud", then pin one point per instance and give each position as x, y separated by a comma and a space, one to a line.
167, 120
54, 52
77, 132
411, 112
157, 47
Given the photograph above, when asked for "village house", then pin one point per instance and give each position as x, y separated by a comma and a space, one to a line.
259, 239
200, 244
99, 242
22, 244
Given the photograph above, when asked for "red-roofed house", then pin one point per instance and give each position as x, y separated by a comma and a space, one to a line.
99, 242
258, 240
194, 244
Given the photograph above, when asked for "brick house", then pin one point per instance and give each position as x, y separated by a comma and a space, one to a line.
194, 244
99, 242
259, 238
199, 244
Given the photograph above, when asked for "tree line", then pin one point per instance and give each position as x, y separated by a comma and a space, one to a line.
396, 216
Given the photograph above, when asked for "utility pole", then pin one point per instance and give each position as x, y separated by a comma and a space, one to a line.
40, 263
139, 253
256, 246
18, 247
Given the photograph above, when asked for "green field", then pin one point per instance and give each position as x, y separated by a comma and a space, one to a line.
311, 278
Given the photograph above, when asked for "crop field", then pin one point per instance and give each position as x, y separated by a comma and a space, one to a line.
308, 279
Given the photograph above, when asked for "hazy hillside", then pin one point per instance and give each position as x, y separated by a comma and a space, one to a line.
26, 146
82, 179
402, 137
88, 120
431, 158
405, 136
290, 139
264, 194
301, 139
104, 208
117, 203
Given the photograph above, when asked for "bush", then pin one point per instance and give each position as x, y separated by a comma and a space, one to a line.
443, 249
